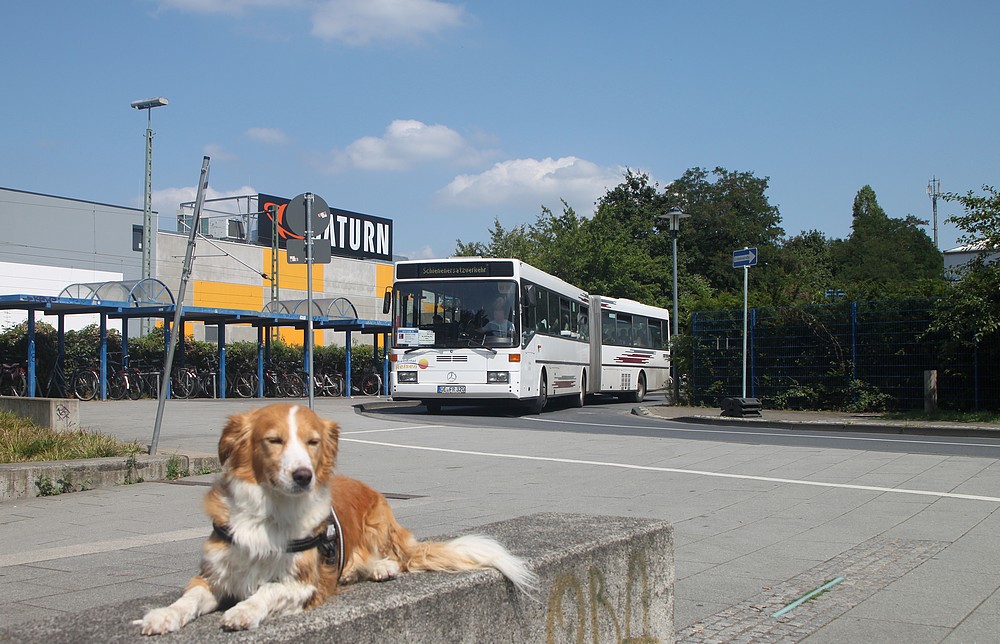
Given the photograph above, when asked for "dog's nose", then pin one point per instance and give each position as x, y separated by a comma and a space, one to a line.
302, 476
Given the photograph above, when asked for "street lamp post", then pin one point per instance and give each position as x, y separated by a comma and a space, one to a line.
674, 216
147, 207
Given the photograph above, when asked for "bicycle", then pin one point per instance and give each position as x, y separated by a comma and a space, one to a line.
243, 383
146, 377
13, 379
330, 385
85, 382
278, 383
119, 387
55, 386
324, 384
364, 380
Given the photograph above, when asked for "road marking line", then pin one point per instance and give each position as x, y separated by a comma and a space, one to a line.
672, 470
776, 433
390, 429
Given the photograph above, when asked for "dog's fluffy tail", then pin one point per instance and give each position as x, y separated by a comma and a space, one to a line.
471, 552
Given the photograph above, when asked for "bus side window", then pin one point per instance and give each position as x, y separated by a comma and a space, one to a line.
608, 333
641, 330
656, 334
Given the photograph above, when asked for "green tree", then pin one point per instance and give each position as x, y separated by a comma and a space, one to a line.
557, 243
503, 243
622, 248
885, 257
729, 210
981, 221
970, 311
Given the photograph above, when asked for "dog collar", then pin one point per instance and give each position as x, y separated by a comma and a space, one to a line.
297, 545
329, 541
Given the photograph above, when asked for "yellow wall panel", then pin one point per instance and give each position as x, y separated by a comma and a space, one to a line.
383, 277
220, 295
292, 276
296, 337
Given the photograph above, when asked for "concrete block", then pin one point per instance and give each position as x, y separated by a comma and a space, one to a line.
61, 414
603, 579
23, 480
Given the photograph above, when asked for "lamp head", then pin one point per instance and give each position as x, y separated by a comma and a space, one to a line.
674, 215
149, 103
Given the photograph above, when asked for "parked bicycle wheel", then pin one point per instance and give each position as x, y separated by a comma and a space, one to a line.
134, 384
327, 385
14, 381
245, 384
291, 386
371, 384
184, 384
85, 384
117, 385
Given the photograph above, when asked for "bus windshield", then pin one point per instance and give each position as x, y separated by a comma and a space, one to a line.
452, 314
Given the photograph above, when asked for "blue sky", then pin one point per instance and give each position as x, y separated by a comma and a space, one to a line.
442, 115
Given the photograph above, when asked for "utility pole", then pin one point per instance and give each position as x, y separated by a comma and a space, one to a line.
934, 191
147, 200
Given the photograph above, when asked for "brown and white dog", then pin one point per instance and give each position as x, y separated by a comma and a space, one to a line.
273, 550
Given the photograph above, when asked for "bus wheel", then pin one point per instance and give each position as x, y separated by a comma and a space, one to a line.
639, 394
579, 401
538, 404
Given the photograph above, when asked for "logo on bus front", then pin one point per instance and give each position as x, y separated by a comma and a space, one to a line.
410, 363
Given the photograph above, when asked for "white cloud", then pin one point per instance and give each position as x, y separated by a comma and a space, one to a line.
424, 252
217, 152
359, 22
355, 22
405, 143
533, 182
266, 135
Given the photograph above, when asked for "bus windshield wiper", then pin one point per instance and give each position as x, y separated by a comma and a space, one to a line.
482, 345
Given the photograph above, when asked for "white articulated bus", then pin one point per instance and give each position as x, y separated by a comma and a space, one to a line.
630, 348
470, 330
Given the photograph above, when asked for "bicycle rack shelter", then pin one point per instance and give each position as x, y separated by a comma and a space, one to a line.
150, 298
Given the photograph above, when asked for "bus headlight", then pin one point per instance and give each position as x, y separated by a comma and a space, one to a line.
497, 376
406, 376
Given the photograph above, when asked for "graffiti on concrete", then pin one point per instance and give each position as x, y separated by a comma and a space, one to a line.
581, 612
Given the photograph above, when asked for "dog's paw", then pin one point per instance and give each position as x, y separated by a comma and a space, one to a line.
160, 621
385, 569
243, 617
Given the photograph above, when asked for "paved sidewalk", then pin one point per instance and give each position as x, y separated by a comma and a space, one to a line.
753, 531
829, 420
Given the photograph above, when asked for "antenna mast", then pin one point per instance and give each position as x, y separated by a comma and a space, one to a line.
934, 191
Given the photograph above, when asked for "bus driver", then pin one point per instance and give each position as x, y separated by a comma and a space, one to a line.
499, 326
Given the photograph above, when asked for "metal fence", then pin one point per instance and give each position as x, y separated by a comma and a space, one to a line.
840, 356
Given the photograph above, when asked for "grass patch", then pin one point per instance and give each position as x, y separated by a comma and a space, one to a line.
22, 441
945, 415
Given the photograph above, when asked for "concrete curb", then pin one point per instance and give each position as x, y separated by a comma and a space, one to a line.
602, 579
888, 427
29, 480
377, 405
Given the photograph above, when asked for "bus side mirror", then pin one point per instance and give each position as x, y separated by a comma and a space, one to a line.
530, 295
387, 301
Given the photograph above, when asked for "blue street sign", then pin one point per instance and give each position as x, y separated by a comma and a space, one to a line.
744, 257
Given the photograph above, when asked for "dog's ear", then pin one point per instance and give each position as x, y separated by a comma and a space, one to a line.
234, 435
331, 444
332, 430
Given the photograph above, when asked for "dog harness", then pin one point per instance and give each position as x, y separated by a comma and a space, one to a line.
329, 541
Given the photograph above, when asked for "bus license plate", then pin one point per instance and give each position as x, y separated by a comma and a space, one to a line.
451, 389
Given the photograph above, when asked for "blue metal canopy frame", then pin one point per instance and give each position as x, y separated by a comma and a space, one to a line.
146, 299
